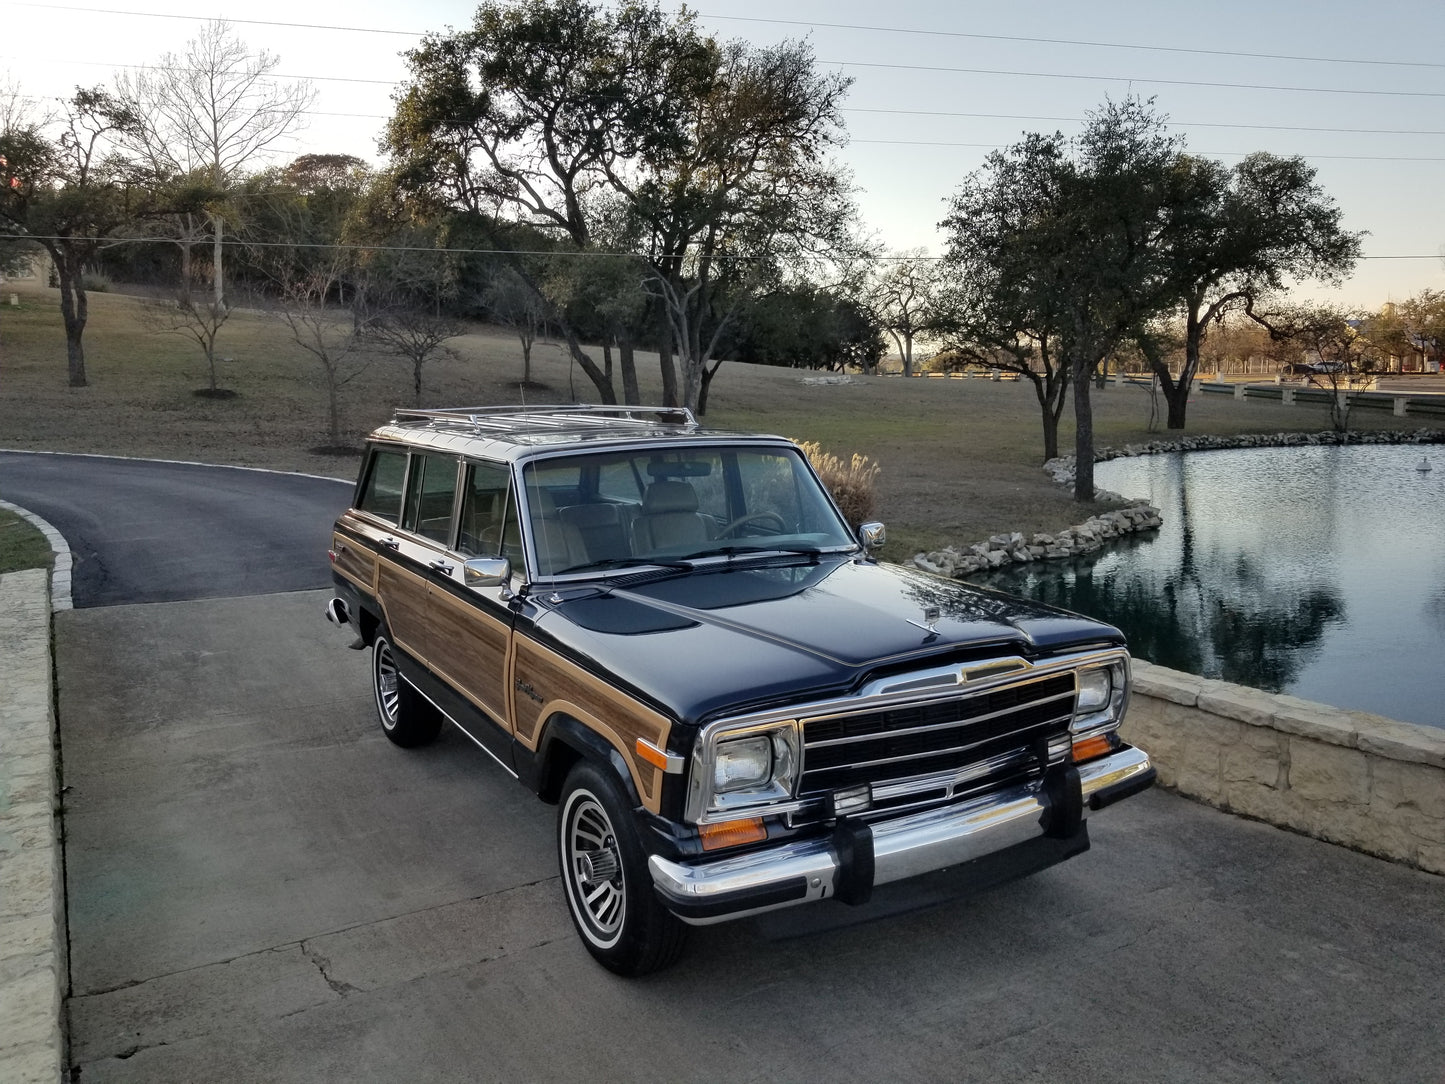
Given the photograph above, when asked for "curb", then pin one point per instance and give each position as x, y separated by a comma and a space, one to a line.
64, 562
33, 965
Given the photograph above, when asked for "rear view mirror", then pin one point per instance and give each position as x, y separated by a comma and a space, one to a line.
872, 535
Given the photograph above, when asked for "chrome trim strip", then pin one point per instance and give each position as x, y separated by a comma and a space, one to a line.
944, 751
903, 847
827, 743
901, 788
475, 740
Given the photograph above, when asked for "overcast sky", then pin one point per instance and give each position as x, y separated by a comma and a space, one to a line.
1355, 88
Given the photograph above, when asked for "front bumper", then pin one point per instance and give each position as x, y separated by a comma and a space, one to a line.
847, 864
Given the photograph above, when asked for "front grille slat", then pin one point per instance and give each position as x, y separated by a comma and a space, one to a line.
923, 741
1067, 702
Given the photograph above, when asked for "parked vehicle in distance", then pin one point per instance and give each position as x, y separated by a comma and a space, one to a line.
671, 633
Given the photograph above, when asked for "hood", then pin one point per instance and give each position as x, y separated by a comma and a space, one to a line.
740, 637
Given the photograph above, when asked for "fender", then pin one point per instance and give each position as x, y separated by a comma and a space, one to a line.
544, 770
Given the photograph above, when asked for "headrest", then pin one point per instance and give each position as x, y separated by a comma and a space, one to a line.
592, 515
669, 497
541, 502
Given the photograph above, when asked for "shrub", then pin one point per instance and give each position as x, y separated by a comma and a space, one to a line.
852, 483
93, 283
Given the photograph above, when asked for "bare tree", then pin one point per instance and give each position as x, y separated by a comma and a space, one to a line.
408, 330
512, 303
905, 297
328, 336
1337, 355
199, 321
206, 116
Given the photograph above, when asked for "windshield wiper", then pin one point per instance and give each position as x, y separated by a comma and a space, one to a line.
734, 551
624, 562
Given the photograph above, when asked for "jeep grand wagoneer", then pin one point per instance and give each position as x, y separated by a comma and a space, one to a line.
671, 633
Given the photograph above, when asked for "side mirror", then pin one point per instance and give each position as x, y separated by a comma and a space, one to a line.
487, 572
872, 535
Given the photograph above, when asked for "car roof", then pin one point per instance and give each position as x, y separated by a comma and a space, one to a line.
515, 433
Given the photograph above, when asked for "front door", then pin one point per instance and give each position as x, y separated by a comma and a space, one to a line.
469, 630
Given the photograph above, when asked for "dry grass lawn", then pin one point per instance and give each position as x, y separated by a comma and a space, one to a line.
960, 458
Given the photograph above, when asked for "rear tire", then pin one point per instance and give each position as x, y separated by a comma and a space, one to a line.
407, 717
605, 878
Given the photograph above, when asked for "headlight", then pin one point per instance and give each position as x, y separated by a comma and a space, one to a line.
742, 763
744, 769
1095, 688
1101, 693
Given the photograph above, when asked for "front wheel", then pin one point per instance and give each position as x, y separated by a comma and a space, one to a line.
407, 717
604, 875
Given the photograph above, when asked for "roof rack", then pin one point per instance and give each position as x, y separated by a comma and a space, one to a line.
551, 417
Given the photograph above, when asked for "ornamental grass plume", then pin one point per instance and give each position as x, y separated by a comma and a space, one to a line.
853, 483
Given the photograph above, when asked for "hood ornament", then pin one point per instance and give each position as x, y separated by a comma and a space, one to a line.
929, 624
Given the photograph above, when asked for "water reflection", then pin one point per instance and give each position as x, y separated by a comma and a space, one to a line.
1315, 571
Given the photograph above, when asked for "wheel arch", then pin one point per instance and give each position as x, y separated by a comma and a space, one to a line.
566, 740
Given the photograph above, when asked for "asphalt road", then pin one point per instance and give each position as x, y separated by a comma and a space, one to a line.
262, 888
143, 531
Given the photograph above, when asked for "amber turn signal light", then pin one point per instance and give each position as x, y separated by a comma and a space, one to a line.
732, 833
1089, 748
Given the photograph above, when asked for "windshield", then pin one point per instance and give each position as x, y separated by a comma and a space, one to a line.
610, 510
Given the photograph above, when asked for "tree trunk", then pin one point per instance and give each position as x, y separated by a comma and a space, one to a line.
217, 272
333, 405
628, 361
665, 363
74, 310
1051, 432
416, 379
693, 379
1083, 432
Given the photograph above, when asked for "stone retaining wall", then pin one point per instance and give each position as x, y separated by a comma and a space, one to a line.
32, 892
1369, 783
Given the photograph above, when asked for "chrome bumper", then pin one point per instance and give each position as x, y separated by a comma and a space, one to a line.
907, 846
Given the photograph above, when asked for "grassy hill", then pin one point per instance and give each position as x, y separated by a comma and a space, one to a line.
960, 458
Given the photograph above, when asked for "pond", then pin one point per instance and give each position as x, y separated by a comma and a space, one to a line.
1315, 571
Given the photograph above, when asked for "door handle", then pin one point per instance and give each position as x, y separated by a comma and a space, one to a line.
442, 567
391, 543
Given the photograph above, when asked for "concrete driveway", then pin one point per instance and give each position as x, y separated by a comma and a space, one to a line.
262, 888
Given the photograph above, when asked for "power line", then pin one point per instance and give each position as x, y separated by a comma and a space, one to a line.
1130, 79
1213, 84
1028, 40
871, 29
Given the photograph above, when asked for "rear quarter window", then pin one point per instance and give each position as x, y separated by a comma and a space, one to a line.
381, 485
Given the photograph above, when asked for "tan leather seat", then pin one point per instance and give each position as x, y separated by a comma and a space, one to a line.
558, 543
669, 519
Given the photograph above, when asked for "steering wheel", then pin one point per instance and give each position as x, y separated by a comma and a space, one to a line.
755, 517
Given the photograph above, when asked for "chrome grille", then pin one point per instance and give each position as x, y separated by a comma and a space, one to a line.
1008, 725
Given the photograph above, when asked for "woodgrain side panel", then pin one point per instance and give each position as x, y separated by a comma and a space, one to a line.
548, 684
469, 650
403, 602
355, 562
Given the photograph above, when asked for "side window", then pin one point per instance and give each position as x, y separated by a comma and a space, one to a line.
430, 491
381, 492
487, 511
770, 486
618, 481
